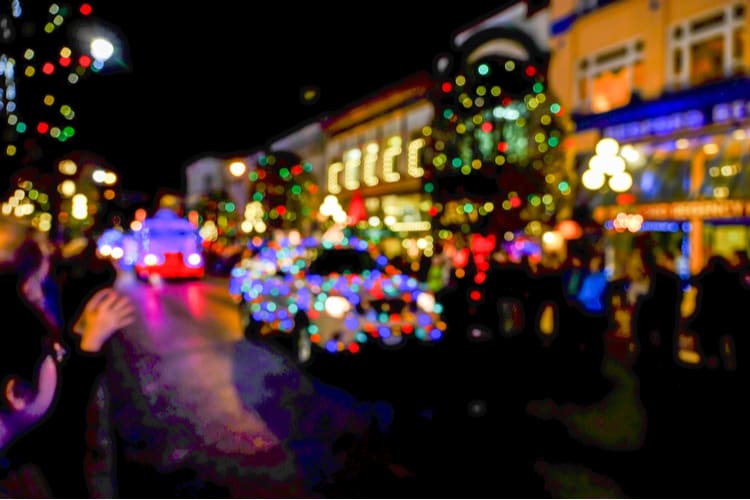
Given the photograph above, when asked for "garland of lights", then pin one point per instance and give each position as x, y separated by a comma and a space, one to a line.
492, 156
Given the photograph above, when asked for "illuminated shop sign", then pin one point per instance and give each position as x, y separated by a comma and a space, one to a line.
372, 164
708, 209
660, 125
724, 112
635, 223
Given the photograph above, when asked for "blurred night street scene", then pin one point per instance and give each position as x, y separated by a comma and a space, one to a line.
498, 249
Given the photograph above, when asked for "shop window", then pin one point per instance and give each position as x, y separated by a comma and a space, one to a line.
662, 179
726, 173
697, 47
722, 179
707, 61
608, 79
611, 90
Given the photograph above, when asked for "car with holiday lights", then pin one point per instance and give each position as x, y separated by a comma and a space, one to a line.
338, 297
119, 246
284, 253
168, 246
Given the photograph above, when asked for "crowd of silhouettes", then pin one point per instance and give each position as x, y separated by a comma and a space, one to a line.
571, 337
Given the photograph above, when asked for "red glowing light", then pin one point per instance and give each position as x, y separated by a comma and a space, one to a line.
354, 348
475, 295
446, 87
502, 146
461, 258
625, 199
482, 246
281, 209
515, 202
64, 62
487, 127
48, 68
42, 127
84, 61
480, 278
530, 70
85, 9
296, 170
433, 211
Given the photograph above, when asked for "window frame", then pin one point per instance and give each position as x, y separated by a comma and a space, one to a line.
691, 35
589, 67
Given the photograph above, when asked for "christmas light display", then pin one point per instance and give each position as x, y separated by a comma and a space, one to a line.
493, 158
45, 50
283, 190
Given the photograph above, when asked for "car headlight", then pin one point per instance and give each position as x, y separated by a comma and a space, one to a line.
195, 259
337, 307
426, 302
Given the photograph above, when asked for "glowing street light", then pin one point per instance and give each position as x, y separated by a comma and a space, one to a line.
607, 163
101, 49
237, 168
101, 41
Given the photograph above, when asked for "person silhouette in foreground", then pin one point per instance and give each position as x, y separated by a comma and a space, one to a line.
33, 363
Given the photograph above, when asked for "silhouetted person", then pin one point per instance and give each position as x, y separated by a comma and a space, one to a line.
76, 276
646, 302
720, 313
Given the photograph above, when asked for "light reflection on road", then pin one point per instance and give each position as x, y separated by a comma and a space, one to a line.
180, 353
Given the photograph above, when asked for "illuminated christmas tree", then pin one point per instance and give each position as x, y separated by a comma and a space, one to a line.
46, 49
494, 162
283, 194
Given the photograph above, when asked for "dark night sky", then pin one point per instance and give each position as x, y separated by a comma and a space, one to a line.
227, 75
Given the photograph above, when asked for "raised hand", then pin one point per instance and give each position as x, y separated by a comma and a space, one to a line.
105, 312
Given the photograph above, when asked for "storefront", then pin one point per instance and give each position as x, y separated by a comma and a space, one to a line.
688, 154
373, 167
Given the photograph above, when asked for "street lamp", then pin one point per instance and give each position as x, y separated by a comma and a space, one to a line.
101, 49
238, 183
101, 41
607, 165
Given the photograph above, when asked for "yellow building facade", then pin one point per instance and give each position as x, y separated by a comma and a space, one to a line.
669, 80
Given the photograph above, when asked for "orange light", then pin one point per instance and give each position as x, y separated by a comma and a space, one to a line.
569, 229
